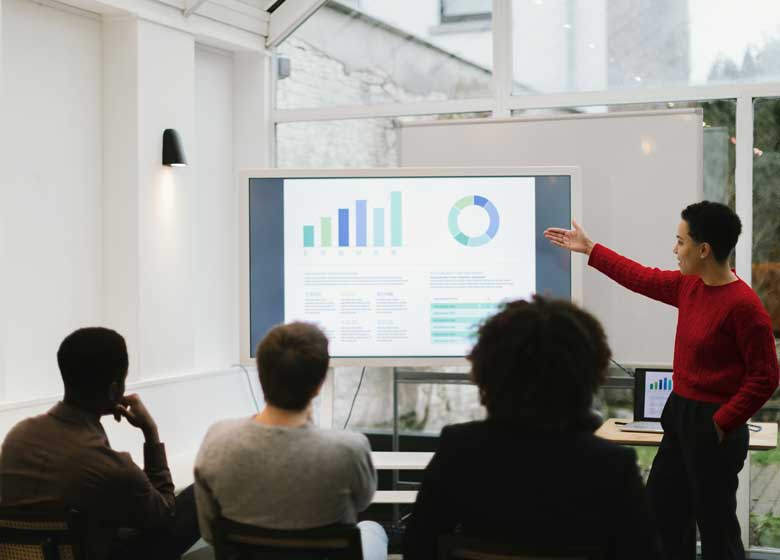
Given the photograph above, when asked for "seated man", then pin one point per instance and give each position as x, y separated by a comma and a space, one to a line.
276, 470
61, 460
533, 473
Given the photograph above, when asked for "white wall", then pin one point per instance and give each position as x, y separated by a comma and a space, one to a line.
216, 231
50, 188
93, 229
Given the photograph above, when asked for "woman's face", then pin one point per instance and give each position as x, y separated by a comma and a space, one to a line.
688, 252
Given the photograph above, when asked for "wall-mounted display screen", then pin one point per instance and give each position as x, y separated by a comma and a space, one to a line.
401, 266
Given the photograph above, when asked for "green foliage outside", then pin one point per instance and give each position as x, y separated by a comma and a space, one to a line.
764, 530
765, 458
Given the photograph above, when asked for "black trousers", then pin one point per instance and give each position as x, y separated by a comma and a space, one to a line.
693, 481
166, 543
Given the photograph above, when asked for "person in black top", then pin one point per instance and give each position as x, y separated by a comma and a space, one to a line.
533, 473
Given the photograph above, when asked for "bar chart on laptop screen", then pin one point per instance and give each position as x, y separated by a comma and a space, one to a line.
658, 387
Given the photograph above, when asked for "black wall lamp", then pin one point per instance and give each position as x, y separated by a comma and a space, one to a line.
173, 153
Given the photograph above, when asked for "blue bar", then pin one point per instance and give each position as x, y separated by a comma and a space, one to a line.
360, 223
379, 227
343, 227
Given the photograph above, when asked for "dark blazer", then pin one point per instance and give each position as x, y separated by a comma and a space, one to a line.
496, 481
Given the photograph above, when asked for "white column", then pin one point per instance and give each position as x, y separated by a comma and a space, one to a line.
252, 129
251, 139
120, 182
743, 502
3, 140
743, 178
149, 208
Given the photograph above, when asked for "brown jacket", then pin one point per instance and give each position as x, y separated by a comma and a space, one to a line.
62, 460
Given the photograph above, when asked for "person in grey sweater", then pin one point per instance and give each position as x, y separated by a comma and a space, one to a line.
276, 470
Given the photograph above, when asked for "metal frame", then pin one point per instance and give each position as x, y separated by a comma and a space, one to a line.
503, 102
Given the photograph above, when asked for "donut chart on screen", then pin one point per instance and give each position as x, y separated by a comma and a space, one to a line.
485, 204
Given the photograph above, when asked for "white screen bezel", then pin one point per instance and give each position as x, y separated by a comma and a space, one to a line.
423, 361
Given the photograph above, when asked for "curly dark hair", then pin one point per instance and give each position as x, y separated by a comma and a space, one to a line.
713, 223
538, 363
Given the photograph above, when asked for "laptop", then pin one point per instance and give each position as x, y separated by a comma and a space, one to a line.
652, 386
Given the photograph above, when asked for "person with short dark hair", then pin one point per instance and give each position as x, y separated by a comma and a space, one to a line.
533, 473
276, 470
725, 369
62, 460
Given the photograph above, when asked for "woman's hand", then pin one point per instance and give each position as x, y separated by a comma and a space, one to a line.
575, 240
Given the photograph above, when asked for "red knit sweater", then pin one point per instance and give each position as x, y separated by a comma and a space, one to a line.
724, 349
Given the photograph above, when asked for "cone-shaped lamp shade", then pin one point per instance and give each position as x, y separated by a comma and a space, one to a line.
173, 153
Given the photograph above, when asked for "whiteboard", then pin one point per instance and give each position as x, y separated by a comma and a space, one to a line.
639, 170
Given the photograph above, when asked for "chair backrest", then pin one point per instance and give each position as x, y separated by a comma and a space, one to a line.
30, 535
457, 547
236, 541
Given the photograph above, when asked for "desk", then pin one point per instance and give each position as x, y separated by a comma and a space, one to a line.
398, 460
765, 439
181, 469
401, 460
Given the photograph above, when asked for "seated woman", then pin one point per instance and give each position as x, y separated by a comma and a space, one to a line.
534, 473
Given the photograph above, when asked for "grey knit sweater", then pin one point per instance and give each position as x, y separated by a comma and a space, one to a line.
282, 478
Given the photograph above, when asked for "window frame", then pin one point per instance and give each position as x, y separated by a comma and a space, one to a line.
446, 18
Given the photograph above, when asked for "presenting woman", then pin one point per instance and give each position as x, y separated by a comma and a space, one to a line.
725, 369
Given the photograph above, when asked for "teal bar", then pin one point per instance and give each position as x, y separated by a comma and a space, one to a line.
469, 320
308, 236
379, 227
396, 239
464, 306
451, 334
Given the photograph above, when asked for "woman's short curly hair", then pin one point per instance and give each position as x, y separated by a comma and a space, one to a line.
538, 363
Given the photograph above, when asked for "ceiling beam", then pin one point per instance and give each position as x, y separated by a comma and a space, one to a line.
193, 5
287, 17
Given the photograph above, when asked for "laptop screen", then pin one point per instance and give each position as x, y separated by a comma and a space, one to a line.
652, 388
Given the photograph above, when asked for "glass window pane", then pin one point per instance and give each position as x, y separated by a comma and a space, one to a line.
422, 407
582, 45
765, 465
346, 143
383, 52
373, 402
618, 402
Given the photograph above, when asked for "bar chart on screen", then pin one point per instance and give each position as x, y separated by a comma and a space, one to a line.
352, 225
658, 386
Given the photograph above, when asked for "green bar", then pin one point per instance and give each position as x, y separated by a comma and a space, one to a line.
325, 232
395, 219
308, 236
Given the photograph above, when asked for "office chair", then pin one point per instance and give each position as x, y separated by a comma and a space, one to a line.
457, 547
236, 541
30, 535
